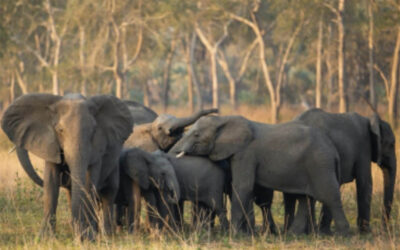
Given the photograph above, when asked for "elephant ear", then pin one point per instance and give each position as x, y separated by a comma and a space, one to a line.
375, 132
28, 123
136, 166
233, 134
113, 117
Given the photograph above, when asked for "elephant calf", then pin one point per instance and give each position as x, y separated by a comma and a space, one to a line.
153, 174
202, 182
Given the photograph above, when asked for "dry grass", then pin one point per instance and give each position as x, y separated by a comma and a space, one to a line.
21, 211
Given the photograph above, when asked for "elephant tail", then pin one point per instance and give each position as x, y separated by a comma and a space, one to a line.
26, 163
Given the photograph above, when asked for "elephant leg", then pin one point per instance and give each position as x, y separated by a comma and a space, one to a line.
311, 215
242, 208
290, 205
364, 192
107, 200
119, 215
137, 205
299, 224
333, 201
220, 211
263, 199
51, 189
325, 222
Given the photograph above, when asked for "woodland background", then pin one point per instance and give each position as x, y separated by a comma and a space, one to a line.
330, 54
267, 60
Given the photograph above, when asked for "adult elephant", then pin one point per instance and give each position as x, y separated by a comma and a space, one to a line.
288, 157
163, 132
80, 140
358, 140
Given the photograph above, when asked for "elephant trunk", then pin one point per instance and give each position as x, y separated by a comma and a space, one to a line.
23, 158
175, 190
186, 121
389, 177
81, 198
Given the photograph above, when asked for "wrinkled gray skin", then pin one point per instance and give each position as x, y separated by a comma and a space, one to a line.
76, 137
272, 156
358, 140
163, 132
154, 174
160, 134
202, 182
140, 113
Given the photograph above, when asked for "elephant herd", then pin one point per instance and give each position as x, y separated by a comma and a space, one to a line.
111, 152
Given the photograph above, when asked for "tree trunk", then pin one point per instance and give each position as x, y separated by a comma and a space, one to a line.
146, 95
197, 89
393, 82
372, 95
329, 69
118, 84
341, 80
166, 74
21, 82
232, 84
318, 67
12, 87
82, 60
213, 61
189, 75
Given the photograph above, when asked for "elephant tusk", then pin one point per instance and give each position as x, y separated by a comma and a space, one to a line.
180, 154
12, 149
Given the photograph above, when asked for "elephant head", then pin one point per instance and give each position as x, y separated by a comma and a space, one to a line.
163, 132
383, 153
151, 170
215, 136
70, 130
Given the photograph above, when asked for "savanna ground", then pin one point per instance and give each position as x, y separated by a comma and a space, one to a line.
21, 211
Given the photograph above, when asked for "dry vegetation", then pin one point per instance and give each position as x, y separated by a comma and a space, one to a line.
21, 212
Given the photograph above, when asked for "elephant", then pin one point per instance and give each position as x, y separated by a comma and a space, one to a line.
358, 140
163, 132
156, 178
201, 181
290, 157
80, 140
160, 134
140, 113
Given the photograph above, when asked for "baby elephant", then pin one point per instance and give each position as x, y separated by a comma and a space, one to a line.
147, 174
202, 182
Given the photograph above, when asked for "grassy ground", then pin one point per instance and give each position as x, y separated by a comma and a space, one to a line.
21, 211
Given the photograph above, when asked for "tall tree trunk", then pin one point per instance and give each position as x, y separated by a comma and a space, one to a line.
318, 66
146, 95
82, 59
372, 95
21, 82
213, 65
393, 82
329, 70
341, 80
166, 73
232, 84
189, 75
12, 87
199, 99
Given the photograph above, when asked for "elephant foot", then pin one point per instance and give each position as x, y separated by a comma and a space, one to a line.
325, 231
363, 227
